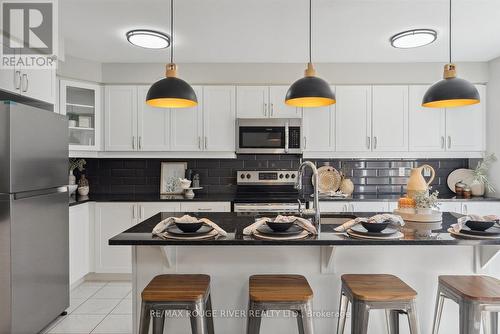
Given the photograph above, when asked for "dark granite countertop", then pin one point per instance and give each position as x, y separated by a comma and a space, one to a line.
234, 223
221, 197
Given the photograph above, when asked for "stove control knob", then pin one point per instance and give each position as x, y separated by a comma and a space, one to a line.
293, 176
281, 176
242, 176
249, 176
287, 176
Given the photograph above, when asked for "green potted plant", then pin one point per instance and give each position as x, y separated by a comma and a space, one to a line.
425, 203
480, 181
74, 164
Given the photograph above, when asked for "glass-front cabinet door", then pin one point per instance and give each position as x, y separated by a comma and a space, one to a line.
81, 103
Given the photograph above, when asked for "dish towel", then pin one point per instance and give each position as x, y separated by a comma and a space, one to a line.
462, 220
302, 222
394, 220
162, 226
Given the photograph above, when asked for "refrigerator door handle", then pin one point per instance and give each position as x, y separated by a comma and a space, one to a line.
33, 193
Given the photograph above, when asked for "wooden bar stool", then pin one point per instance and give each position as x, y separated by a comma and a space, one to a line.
280, 292
371, 292
475, 296
177, 292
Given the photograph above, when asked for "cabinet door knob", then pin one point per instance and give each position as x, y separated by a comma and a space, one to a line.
25, 80
17, 79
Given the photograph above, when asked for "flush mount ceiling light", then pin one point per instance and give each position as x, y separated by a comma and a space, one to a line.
171, 92
310, 91
413, 38
451, 91
149, 39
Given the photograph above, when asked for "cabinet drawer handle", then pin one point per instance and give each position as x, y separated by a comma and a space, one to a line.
25, 79
449, 141
305, 143
206, 142
368, 142
443, 142
140, 142
265, 109
17, 79
199, 143
133, 211
133, 142
272, 109
375, 142
204, 209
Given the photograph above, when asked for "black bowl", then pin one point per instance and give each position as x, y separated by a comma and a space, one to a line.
479, 225
189, 227
279, 227
374, 227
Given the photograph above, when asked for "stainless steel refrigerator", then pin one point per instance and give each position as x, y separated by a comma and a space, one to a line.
34, 261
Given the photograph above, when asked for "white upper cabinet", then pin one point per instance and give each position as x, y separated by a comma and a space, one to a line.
264, 102
390, 118
121, 118
153, 124
277, 106
186, 128
353, 118
319, 129
252, 101
465, 126
219, 118
427, 130
81, 103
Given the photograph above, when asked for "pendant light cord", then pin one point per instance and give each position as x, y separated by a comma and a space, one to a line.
449, 32
171, 31
310, 29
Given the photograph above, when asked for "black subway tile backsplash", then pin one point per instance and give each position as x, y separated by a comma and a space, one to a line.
128, 176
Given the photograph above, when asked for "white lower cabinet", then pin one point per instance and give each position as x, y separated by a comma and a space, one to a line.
113, 218
205, 207
482, 209
79, 242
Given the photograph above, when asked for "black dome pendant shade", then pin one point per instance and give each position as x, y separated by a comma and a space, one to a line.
451, 91
310, 91
171, 92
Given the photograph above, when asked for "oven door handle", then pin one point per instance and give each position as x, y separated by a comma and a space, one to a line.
287, 134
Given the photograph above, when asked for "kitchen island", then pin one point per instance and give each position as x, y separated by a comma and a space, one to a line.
231, 260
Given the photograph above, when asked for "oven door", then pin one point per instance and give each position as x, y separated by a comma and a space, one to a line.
262, 139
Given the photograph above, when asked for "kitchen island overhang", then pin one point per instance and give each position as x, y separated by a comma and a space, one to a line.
234, 223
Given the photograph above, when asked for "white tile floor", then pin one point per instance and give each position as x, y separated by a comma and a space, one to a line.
97, 307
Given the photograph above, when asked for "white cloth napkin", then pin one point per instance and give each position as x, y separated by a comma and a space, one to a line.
394, 220
162, 226
302, 222
462, 220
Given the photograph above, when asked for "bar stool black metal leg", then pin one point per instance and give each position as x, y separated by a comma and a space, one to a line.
145, 318
158, 322
344, 301
209, 315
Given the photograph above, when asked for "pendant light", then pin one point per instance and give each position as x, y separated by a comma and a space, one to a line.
451, 91
310, 91
171, 92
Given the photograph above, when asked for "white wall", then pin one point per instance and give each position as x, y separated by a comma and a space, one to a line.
339, 73
493, 121
80, 69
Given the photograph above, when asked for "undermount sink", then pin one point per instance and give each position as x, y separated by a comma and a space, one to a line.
335, 220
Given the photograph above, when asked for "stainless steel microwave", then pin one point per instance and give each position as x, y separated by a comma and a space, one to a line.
269, 136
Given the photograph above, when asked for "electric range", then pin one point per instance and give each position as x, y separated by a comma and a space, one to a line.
266, 191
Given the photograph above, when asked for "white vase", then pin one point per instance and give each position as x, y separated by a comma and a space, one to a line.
72, 178
477, 188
